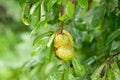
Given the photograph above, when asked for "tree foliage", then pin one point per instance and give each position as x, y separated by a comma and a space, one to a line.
94, 26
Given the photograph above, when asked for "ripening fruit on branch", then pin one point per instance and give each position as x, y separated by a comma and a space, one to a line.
63, 45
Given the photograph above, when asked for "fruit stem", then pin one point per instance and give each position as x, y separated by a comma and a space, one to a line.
61, 13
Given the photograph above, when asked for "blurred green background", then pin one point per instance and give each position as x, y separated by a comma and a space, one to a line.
15, 43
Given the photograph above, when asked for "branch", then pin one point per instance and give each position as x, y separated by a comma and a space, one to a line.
73, 1
112, 56
89, 4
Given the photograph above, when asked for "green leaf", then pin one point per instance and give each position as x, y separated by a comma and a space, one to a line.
50, 40
83, 3
41, 24
34, 7
49, 52
115, 45
41, 36
56, 76
43, 12
26, 18
111, 6
50, 4
91, 60
29, 1
95, 16
69, 10
35, 14
87, 37
110, 74
22, 2
79, 69
62, 2
38, 27
98, 16
66, 73
116, 70
71, 77
31, 63
112, 36
41, 42
97, 72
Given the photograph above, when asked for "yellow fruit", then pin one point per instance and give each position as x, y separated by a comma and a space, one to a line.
64, 53
63, 44
63, 39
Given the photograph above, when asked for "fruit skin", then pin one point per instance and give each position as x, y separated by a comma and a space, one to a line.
63, 45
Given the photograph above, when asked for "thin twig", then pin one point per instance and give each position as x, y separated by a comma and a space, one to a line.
112, 56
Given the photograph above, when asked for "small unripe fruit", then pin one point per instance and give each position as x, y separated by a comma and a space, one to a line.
63, 45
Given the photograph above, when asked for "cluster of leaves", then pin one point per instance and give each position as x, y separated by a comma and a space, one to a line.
94, 25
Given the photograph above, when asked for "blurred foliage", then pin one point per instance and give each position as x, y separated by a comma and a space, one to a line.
15, 43
93, 24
